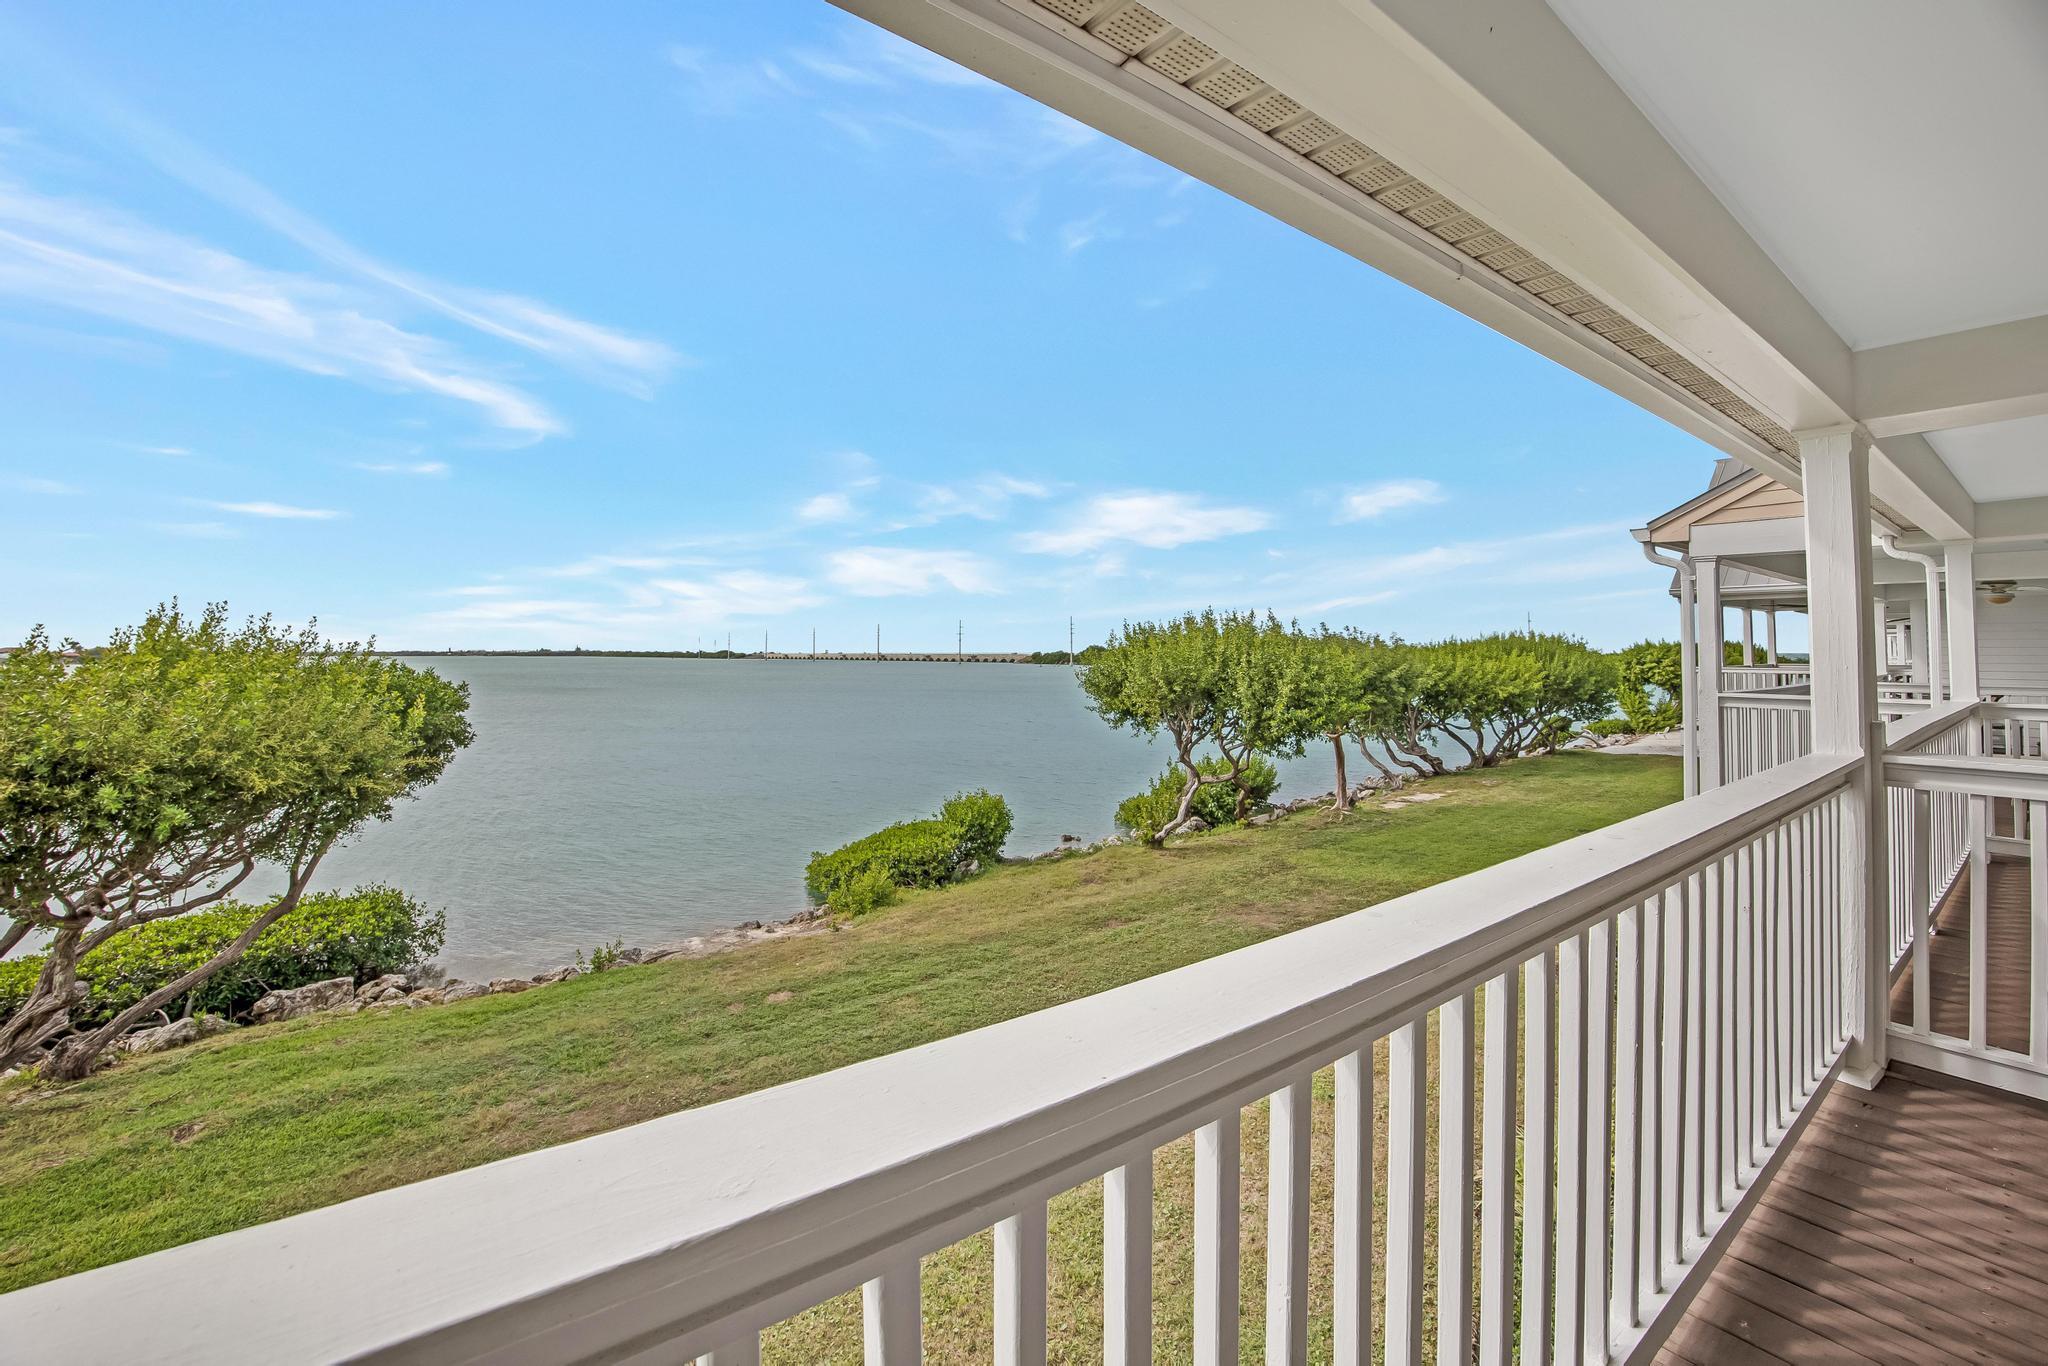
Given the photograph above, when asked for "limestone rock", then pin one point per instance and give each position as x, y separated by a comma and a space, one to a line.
549, 978
293, 1002
506, 986
176, 1034
382, 987
463, 991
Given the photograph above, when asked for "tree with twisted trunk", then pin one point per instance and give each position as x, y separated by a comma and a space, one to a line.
156, 775
1225, 681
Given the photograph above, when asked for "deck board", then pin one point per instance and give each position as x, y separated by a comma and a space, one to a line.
1909, 1223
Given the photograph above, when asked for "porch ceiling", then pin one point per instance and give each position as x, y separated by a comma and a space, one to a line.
1999, 460
1885, 153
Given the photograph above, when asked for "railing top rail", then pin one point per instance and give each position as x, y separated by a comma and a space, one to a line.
1908, 731
697, 1222
1796, 698
1981, 775
2024, 711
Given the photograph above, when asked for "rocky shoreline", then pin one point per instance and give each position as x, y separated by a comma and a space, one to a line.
409, 991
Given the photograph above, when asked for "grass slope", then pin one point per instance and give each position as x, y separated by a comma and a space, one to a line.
269, 1122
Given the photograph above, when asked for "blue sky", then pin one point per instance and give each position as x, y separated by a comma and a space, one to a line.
529, 325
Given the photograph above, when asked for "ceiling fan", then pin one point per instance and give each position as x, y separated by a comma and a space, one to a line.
1999, 592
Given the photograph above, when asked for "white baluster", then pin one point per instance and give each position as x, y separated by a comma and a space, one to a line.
1920, 894
1569, 1332
2037, 921
1218, 1249
1407, 1106
1351, 1296
1980, 919
1539, 1046
1287, 1225
1453, 1182
1497, 1174
1599, 1121
892, 1316
1020, 1288
1628, 1121
1127, 1264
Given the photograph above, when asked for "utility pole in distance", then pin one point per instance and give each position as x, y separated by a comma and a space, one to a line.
960, 641
1070, 642
878, 642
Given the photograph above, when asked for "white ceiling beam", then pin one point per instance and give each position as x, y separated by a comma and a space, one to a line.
1959, 379
1907, 476
2016, 519
1024, 47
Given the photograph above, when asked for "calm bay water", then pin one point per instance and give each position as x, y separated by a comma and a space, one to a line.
650, 799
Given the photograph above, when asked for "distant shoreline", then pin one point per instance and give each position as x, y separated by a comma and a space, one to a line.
822, 657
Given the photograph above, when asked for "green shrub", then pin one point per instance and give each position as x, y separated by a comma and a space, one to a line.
1649, 677
1145, 814
866, 892
927, 853
912, 854
983, 820
360, 934
1612, 725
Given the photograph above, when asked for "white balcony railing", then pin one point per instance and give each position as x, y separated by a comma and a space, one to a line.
1968, 795
1756, 678
1679, 979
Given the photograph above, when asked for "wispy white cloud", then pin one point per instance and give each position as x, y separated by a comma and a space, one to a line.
592, 565
1353, 600
739, 593
836, 506
111, 264
279, 511
1156, 521
987, 498
1377, 500
101, 261
30, 483
885, 571
721, 87
420, 468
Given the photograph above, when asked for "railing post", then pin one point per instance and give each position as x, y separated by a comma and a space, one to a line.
1960, 560
1709, 634
1840, 594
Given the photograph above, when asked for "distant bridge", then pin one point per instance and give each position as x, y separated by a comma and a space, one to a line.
918, 657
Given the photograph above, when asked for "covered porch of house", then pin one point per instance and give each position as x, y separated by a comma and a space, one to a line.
1649, 1090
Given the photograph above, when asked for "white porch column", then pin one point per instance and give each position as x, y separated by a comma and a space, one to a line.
1836, 464
1709, 637
1916, 632
1961, 560
1771, 636
1688, 666
1749, 637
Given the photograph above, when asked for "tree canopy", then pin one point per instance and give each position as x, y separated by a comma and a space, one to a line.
155, 775
1240, 685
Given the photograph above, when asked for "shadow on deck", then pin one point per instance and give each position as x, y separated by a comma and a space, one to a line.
1909, 1223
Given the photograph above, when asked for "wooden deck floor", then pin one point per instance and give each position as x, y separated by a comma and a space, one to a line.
1909, 1223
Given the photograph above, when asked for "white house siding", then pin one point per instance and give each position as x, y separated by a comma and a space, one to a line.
2012, 645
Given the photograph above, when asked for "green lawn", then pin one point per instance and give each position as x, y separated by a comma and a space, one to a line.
272, 1121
